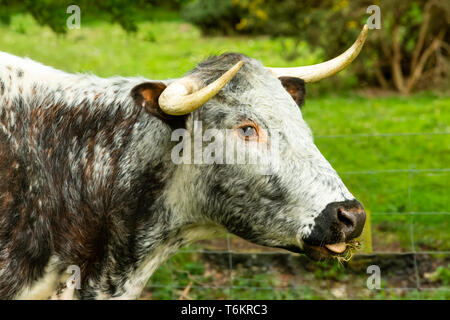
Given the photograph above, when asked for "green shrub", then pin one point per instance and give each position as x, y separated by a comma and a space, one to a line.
213, 16
53, 13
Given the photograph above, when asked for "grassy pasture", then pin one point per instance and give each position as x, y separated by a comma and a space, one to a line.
393, 175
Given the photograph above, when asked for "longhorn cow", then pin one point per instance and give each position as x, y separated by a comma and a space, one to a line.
87, 176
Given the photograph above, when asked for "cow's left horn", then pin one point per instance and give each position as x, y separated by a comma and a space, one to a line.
326, 69
186, 94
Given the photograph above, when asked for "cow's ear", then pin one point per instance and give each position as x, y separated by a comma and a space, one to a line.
296, 88
147, 94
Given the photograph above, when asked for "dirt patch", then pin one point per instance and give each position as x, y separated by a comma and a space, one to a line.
397, 270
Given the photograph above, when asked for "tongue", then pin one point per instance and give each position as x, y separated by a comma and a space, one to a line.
337, 247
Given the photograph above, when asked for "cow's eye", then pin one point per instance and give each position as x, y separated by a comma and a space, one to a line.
248, 132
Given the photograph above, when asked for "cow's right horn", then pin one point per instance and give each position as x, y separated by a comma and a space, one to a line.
325, 69
186, 94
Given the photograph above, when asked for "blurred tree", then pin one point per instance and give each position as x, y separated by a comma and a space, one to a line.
213, 16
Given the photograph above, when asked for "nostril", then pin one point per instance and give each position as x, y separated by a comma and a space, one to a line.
345, 218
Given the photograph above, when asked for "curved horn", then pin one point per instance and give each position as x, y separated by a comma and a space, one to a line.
326, 69
186, 95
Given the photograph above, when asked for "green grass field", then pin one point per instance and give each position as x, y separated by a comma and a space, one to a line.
393, 175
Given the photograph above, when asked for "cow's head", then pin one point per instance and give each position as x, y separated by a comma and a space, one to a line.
300, 204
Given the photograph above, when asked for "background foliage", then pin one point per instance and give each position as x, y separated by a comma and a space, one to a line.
52, 13
410, 51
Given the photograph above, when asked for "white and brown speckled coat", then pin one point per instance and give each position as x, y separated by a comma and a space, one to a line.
86, 177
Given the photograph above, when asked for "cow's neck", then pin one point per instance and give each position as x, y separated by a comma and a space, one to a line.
166, 219
167, 234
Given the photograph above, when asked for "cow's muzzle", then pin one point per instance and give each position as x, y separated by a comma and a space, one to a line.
335, 227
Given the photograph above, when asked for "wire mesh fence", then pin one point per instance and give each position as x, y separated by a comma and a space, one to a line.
420, 232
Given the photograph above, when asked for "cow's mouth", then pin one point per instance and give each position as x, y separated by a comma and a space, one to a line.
341, 250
